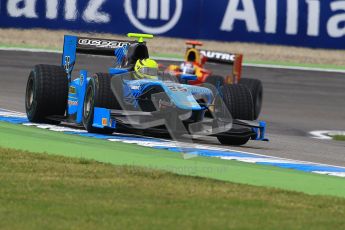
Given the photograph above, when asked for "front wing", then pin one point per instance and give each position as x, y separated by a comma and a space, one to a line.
155, 122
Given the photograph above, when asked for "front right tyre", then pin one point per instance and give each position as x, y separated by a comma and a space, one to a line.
256, 89
238, 100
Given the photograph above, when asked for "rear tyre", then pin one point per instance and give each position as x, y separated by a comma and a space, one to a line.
46, 93
238, 101
98, 94
256, 89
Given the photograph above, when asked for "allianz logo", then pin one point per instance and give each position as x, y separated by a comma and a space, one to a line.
310, 17
158, 10
153, 9
91, 13
313, 18
95, 11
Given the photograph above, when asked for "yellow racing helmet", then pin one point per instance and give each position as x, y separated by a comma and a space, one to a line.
146, 69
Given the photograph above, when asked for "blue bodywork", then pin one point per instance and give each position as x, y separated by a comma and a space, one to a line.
260, 131
182, 95
102, 119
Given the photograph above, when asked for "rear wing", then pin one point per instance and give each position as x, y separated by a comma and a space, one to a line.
97, 46
232, 59
219, 57
86, 45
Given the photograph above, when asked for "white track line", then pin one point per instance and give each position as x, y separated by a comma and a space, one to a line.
207, 147
326, 134
268, 66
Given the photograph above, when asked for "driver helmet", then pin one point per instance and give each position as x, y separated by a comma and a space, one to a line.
187, 68
146, 69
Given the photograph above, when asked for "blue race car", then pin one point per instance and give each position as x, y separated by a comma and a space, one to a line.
119, 99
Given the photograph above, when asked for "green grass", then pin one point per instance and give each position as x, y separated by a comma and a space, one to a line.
339, 137
27, 46
40, 191
40, 140
295, 64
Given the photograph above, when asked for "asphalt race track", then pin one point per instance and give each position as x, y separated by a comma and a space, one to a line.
295, 103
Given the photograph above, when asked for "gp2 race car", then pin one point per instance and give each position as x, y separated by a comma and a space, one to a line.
194, 63
117, 100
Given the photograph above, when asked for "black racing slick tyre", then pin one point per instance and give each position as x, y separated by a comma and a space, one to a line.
98, 94
46, 93
256, 89
234, 141
238, 100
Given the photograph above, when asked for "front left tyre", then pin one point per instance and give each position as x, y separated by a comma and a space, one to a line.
98, 94
46, 93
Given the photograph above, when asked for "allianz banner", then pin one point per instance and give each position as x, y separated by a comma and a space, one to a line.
309, 23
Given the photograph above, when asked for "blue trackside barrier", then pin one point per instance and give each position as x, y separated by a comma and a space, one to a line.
307, 23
